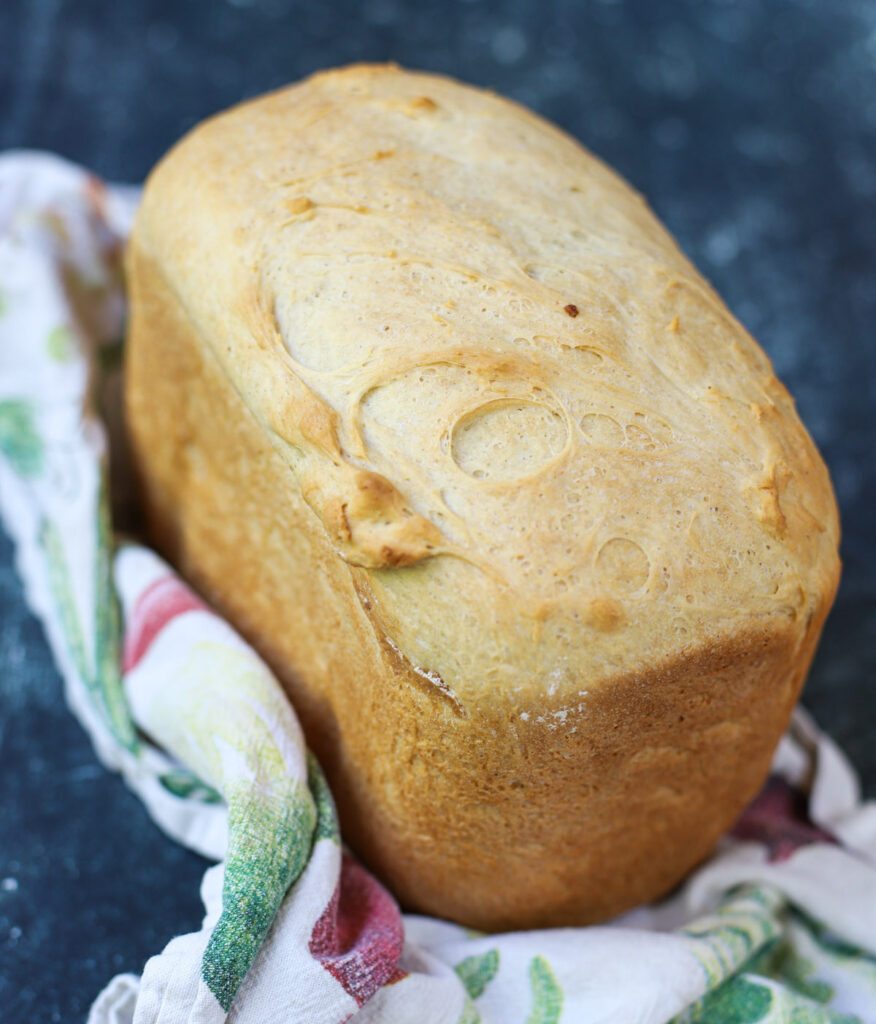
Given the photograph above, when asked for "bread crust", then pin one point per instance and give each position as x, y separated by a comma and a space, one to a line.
532, 710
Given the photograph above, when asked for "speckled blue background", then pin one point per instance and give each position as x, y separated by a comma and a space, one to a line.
750, 126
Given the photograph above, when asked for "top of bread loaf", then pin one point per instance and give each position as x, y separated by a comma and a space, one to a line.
546, 448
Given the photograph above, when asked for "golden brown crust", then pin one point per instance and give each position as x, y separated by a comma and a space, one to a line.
427, 401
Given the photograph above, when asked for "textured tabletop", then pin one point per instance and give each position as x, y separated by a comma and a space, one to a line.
751, 129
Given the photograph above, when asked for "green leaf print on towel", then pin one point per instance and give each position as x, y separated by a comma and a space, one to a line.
108, 630
478, 971
784, 963
59, 581
326, 815
103, 679
746, 923
737, 1001
61, 345
547, 996
186, 785
470, 1014
833, 945
749, 999
20, 443
268, 847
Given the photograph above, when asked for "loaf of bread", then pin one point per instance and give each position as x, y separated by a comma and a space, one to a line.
425, 399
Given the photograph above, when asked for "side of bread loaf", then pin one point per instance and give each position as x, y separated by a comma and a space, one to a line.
426, 400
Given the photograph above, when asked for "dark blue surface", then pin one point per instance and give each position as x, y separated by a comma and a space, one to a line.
751, 128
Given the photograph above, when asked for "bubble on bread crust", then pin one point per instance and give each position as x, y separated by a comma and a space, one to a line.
520, 305
507, 439
570, 579
709, 529
601, 429
656, 431
302, 316
538, 273
735, 379
585, 356
622, 566
638, 438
